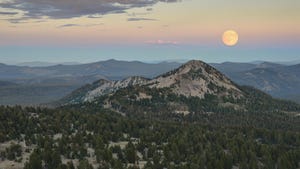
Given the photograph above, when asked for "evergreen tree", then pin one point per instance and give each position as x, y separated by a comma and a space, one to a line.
35, 161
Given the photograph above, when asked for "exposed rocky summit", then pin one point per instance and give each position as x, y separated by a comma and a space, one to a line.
195, 78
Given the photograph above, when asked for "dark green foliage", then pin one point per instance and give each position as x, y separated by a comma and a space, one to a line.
130, 153
84, 164
12, 152
199, 140
35, 161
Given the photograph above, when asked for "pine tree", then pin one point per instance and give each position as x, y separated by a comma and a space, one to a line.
130, 153
35, 161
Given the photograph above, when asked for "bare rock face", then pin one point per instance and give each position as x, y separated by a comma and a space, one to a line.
111, 86
195, 78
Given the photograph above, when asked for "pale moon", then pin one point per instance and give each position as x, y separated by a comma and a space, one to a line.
230, 38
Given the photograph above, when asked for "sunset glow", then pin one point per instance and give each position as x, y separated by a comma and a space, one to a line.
267, 23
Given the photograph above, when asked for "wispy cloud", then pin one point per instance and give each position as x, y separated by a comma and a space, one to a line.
78, 25
135, 14
163, 42
68, 25
23, 21
59, 9
94, 16
8, 13
140, 19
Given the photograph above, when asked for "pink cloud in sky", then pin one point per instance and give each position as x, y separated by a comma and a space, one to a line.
163, 42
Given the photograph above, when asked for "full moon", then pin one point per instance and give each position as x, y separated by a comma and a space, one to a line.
230, 37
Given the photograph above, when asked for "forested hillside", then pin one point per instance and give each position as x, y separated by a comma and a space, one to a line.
90, 137
193, 117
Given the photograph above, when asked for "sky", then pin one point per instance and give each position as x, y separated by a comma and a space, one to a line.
148, 30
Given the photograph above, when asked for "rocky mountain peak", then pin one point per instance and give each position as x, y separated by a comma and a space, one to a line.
195, 64
195, 78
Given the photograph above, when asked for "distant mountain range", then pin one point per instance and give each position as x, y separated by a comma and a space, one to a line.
35, 85
280, 81
112, 69
45, 64
5, 83
287, 63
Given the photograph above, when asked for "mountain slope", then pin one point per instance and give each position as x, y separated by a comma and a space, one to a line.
5, 83
194, 87
101, 87
36, 85
278, 80
194, 78
229, 67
